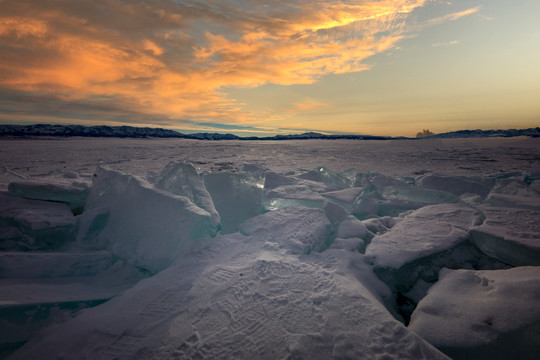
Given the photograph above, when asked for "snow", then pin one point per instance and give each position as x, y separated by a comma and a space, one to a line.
336, 249
352, 227
486, 314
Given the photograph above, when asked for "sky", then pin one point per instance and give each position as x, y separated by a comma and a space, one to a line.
253, 67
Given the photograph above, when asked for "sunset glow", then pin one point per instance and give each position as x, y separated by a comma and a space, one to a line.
381, 67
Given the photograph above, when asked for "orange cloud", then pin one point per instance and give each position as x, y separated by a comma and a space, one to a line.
171, 59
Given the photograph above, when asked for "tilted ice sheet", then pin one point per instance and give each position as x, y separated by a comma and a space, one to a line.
145, 226
424, 232
384, 195
53, 264
493, 314
299, 230
514, 201
34, 224
71, 193
182, 179
511, 235
236, 196
455, 184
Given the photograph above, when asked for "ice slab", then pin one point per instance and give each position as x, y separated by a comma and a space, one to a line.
379, 181
332, 180
53, 264
456, 185
236, 196
145, 226
72, 193
344, 197
29, 305
514, 201
183, 179
34, 224
292, 195
482, 314
387, 196
414, 250
90, 224
418, 195
299, 230
273, 180
7, 176
335, 213
34, 291
424, 232
511, 235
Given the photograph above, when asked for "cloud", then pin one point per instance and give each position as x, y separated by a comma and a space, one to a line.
453, 16
449, 43
170, 60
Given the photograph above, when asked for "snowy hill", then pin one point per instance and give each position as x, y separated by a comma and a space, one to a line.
532, 132
86, 131
146, 132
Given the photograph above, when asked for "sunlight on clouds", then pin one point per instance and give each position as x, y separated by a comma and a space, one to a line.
21, 27
172, 59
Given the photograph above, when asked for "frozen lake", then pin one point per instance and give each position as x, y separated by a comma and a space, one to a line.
397, 157
315, 249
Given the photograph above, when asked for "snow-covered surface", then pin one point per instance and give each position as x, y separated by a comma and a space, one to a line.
489, 315
270, 250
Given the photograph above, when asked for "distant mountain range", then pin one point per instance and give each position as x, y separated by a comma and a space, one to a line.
532, 132
30, 131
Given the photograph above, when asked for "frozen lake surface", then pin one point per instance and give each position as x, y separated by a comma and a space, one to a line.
397, 157
315, 249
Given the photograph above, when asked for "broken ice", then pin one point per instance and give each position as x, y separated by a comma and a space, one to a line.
258, 264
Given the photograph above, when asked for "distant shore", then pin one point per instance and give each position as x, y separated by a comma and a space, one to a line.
100, 131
